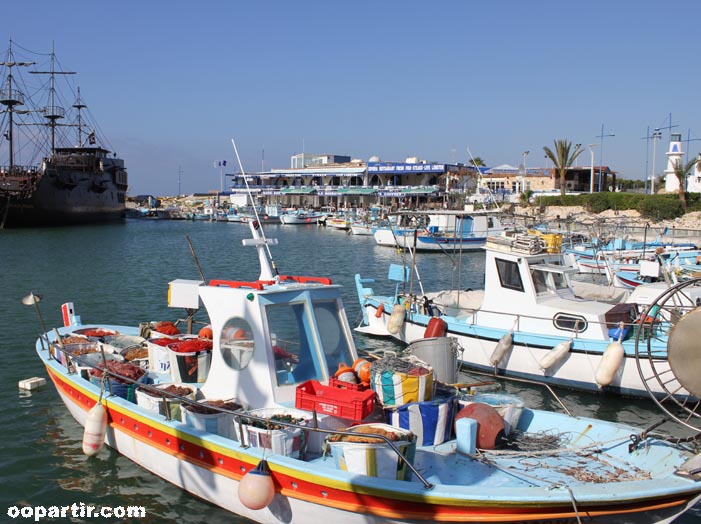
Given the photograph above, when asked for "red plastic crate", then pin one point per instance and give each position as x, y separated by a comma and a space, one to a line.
343, 403
341, 384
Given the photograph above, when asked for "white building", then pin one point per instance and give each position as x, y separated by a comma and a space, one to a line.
675, 155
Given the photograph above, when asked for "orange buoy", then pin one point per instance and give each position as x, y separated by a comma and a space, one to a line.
206, 332
436, 328
490, 425
380, 310
346, 374
362, 369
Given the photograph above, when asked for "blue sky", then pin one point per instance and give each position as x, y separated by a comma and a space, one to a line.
171, 83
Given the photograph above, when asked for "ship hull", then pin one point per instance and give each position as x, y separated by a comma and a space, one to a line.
88, 198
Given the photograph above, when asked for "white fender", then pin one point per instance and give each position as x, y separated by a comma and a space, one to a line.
609, 364
555, 355
95, 429
506, 342
396, 319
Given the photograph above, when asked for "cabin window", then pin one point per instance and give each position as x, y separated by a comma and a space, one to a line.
509, 275
291, 333
539, 281
567, 322
237, 343
334, 341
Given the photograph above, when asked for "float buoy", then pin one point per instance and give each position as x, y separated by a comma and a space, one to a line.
206, 332
362, 369
94, 430
436, 328
380, 310
256, 488
396, 319
506, 342
346, 374
609, 364
490, 424
555, 355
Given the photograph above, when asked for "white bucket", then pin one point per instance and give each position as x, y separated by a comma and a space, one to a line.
286, 441
376, 459
158, 358
219, 423
159, 404
441, 353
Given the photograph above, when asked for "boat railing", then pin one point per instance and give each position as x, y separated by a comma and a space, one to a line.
239, 416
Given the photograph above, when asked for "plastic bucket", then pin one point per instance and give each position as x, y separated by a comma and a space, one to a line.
189, 367
216, 422
159, 404
376, 459
441, 354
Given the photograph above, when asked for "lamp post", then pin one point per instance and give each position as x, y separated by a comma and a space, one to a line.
523, 174
656, 134
601, 153
591, 175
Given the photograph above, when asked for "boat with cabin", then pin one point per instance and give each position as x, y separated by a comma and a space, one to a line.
260, 413
532, 320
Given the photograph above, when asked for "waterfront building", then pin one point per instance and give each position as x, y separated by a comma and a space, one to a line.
341, 182
676, 155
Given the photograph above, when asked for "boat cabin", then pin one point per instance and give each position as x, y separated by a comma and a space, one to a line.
269, 336
530, 287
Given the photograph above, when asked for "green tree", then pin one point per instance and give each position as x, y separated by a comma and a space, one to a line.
562, 158
681, 171
477, 162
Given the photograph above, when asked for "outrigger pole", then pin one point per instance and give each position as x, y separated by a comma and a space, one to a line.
257, 229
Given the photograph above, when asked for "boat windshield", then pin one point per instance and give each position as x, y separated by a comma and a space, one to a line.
308, 344
548, 281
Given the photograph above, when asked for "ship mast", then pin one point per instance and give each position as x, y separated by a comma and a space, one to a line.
11, 97
53, 113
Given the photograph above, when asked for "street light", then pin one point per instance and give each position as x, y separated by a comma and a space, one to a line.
523, 174
656, 134
591, 176
601, 152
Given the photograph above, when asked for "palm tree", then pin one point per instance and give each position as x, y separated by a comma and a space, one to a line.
477, 162
681, 171
562, 158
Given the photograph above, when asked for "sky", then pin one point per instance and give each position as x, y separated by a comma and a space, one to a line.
171, 83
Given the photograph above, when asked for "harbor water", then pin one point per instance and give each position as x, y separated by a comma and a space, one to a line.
119, 274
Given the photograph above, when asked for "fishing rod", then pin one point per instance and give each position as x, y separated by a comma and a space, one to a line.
255, 210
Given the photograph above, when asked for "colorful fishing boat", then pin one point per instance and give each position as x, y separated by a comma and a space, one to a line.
291, 435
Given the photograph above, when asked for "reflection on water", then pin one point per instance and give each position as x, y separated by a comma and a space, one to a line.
119, 274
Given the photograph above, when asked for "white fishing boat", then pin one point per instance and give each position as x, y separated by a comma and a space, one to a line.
301, 216
293, 434
291, 446
533, 321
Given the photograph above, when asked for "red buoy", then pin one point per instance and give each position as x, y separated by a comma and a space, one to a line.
490, 425
436, 328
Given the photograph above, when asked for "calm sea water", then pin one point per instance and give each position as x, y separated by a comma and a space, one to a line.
119, 274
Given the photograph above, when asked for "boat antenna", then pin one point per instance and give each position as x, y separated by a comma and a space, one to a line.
256, 228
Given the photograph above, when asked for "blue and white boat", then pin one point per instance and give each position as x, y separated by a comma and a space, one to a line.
276, 343
447, 231
532, 320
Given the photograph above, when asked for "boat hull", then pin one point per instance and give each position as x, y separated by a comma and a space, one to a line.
576, 371
211, 467
52, 205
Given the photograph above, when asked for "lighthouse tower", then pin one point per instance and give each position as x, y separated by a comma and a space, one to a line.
674, 155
